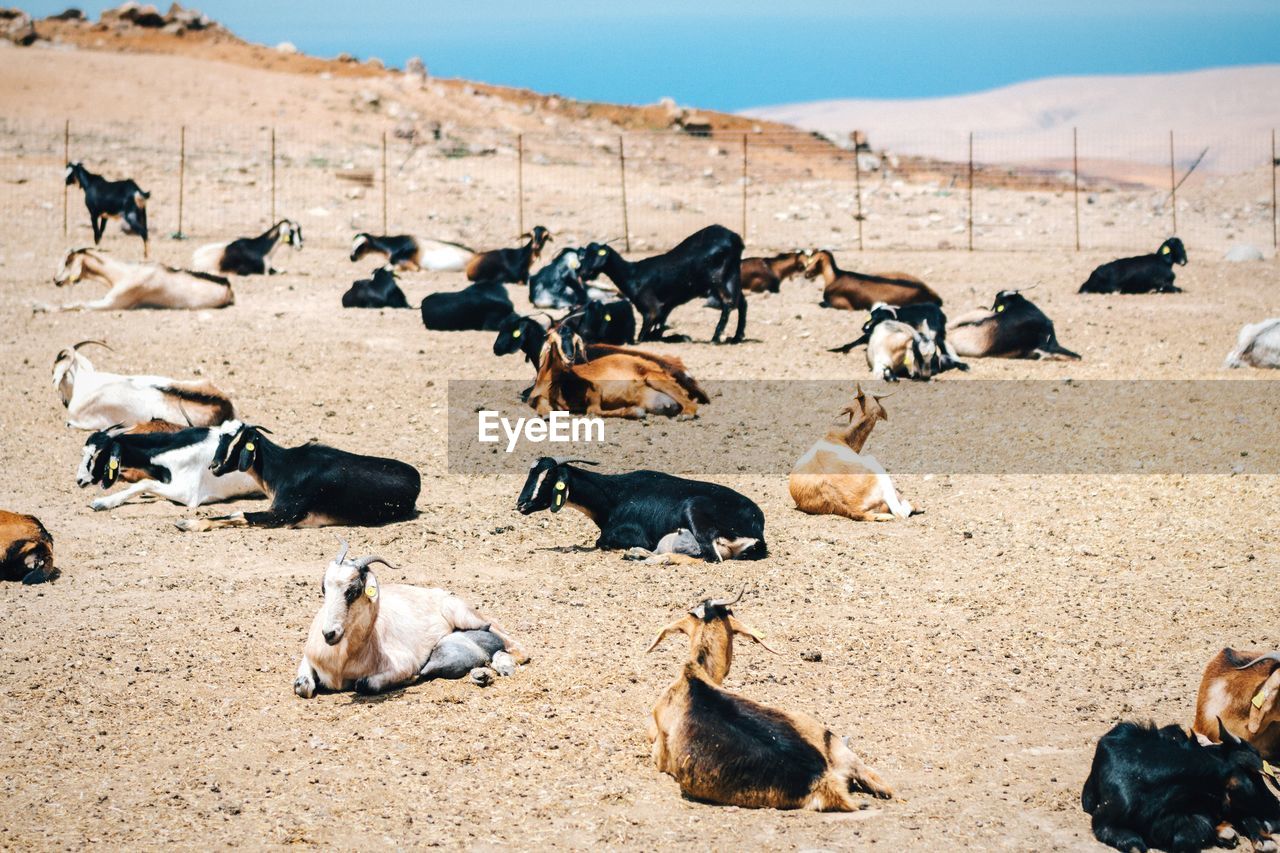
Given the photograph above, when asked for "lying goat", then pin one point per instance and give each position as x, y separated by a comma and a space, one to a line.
898, 350
559, 284
369, 638
925, 317
640, 508
410, 254
1152, 787
311, 486
1258, 345
96, 399
706, 263
619, 383
834, 477
26, 549
105, 200
1238, 692
170, 465
1143, 274
509, 266
1013, 328
468, 652
381, 291
723, 748
766, 275
249, 255
854, 291
125, 474
482, 306
140, 285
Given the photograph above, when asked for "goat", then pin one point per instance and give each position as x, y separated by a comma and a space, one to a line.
766, 275
1144, 274
171, 465
311, 486
110, 200
1239, 690
605, 322
380, 291
559, 284
1258, 345
724, 748
135, 286
125, 474
896, 349
95, 399
617, 383
369, 638
26, 549
410, 254
481, 306
638, 509
509, 266
1012, 328
613, 322
834, 477
1160, 787
924, 317
248, 255
854, 291
706, 263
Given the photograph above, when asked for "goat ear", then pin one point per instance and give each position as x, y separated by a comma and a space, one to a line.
112, 473
739, 627
560, 493
680, 626
1226, 736
247, 453
1263, 702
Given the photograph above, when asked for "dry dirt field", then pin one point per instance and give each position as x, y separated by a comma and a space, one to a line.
973, 654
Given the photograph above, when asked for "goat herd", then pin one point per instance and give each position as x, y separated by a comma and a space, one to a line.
180, 440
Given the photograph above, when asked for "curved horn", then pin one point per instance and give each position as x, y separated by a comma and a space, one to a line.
365, 562
1275, 656
721, 603
76, 347
564, 460
342, 554
263, 429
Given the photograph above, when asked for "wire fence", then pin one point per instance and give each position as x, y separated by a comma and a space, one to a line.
649, 190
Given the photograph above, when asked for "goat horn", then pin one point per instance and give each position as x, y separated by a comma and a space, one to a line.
183, 409
76, 347
264, 429
721, 603
879, 397
365, 562
342, 554
1275, 656
564, 460
612, 241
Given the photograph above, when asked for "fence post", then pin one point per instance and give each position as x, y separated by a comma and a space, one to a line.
273, 175
1075, 172
744, 188
1173, 187
384, 182
971, 191
857, 188
1275, 217
182, 178
520, 183
622, 174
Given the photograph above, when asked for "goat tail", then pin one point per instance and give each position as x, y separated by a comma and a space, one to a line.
849, 346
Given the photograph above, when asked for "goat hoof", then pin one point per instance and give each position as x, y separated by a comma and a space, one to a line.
503, 664
364, 688
304, 687
482, 676
98, 505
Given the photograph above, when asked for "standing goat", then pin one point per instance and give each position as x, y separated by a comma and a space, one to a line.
724, 748
834, 477
1258, 345
26, 549
1012, 328
509, 266
1238, 691
96, 399
410, 254
141, 285
248, 255
854, 291
369, 637
105, 200
380, 291
1144, 274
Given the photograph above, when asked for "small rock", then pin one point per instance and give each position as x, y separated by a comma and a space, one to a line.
1243, 252
287, 47
811, 656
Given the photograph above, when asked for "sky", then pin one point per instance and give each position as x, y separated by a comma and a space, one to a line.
734, 54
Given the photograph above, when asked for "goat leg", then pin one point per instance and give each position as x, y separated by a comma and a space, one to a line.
305, 684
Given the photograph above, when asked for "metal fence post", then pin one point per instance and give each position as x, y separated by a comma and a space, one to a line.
273, 176
1075, 173
520, 183
182, 178
857, 189
384, 182
1173, 187
1275, 235
744, 188
622, 175
971, 191
66, 158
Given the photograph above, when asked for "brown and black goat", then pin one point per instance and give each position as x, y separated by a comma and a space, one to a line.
852, 291
509, 266
26, 549
766, 275
723, 748
1240, 688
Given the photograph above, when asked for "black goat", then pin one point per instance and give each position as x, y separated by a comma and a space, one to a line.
708, 262
381, 291
641, 508
112, 199
605, 322
509, 265
483, 306
248, 255
1152, 787
924, 317
313, 485
1143, 274
1013, 328
559, 284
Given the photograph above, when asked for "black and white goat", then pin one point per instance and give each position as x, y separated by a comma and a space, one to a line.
509, 266
1012, 328
248, 255
410, 254
171, 465
642, 508
925, 317
313, 485
706, 263
123, 200
1143, 274
381, 291
481, 306
561, 283
1257, 345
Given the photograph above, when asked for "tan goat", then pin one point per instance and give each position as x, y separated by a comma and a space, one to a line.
1240, 688
854, 291
140, 285
26, 549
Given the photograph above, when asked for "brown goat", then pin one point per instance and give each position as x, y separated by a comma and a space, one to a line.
835, 478
26, 549
1240, 688
623, 383
761, 275
722, 748
853, 291
510, 266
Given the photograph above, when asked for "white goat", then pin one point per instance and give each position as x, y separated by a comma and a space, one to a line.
1258, 345
370, 637
898, 349
96, 399
139, 285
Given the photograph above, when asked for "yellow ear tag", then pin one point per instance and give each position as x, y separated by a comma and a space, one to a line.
1270, 769
516, 333
600, 252
999, 308
371, 590
1164, 250
608, 318
249, 447
113, 464
908, 359
1259, 698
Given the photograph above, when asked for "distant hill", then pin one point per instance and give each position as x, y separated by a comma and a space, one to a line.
1229, 110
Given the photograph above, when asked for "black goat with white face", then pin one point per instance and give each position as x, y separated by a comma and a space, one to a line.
1143, 274
248, 255
923, 317
1161, 788
1012, 328
381, 291
105, 200
642, 508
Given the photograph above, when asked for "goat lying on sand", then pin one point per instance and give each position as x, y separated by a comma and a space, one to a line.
139, 285
26, 549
